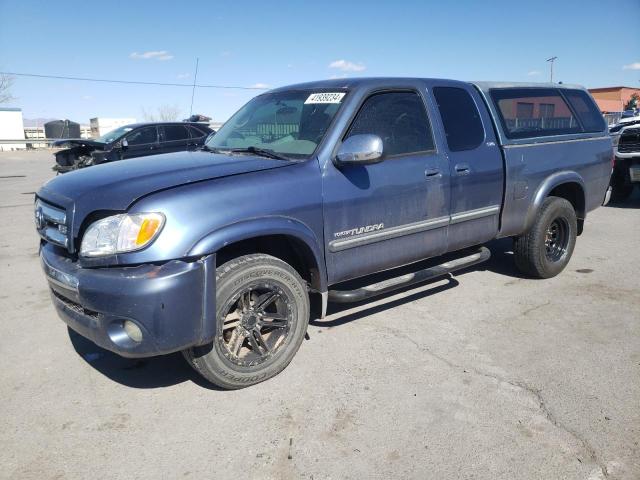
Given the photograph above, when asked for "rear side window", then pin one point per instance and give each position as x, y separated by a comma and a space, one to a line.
534, 112
175, 132
586, 110
399, 119
196, 132
460, 118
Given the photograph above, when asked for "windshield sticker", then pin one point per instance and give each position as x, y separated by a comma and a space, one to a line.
324, 98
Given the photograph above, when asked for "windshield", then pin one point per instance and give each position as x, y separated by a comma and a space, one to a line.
113, 134
290, 123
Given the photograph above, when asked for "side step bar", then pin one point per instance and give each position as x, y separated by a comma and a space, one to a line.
347, 296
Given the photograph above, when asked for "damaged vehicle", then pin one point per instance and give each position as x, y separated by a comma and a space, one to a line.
332, 191
626, 167
135, 140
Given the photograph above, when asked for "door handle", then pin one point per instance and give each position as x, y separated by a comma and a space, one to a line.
432, 173
462, 169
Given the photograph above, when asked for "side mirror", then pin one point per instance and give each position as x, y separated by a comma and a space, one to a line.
360, 150
124, 143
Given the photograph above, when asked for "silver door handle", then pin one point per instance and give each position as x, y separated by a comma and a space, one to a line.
462, 169
432, 173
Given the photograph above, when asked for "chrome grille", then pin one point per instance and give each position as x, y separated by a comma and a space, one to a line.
629, 140
51, 223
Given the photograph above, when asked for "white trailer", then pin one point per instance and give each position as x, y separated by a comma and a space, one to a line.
11, 128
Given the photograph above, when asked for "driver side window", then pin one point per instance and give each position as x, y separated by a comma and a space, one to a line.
143, 136
399, 119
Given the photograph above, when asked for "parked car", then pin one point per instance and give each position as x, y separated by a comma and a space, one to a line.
304, 194
626, 168
135, 140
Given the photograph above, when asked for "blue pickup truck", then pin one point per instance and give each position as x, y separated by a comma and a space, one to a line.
225, 253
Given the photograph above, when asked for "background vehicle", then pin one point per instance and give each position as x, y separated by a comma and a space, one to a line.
301, 196
626, 168
135, 140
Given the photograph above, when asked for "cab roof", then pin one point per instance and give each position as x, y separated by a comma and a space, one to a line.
381, 82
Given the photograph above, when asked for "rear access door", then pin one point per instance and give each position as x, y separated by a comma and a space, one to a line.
475, 164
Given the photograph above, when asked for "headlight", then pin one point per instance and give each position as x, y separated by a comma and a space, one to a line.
615, 138
121, 233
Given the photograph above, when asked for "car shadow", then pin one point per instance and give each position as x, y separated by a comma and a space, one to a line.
153, 372
168, 370
632, 202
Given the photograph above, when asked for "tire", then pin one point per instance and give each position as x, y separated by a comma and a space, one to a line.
620, 190
546, 248
254, 293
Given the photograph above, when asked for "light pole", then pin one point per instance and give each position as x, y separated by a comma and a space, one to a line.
551, 60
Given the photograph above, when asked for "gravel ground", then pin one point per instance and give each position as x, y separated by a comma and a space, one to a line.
484, 375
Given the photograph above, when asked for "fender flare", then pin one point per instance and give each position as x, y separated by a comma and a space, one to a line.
545, 187
259, 227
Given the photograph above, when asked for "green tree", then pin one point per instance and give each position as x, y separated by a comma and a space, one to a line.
633, 103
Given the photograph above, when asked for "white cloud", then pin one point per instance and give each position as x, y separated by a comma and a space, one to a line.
534, 73
632, 66
182, 76
152, 55
347, 66
260, 85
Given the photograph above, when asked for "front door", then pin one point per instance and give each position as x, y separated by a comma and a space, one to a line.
475, 162
141, 141
391, 213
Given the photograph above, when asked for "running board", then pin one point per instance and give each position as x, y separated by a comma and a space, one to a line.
348, 296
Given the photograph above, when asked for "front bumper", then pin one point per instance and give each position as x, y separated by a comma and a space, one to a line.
173, 304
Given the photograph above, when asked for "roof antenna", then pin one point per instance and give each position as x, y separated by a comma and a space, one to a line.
193, 91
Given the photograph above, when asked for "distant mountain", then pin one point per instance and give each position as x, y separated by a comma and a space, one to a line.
36, 122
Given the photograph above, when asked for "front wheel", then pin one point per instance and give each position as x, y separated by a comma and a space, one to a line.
262, 313
546, 248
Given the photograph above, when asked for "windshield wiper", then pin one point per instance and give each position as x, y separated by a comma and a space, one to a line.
207, 148
263, 152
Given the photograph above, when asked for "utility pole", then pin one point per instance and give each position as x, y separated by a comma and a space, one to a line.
551, 60
193, 91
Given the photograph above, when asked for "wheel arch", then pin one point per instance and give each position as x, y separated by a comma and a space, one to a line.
568, 185
282, 237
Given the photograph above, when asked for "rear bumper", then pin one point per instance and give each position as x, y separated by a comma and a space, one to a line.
173, 304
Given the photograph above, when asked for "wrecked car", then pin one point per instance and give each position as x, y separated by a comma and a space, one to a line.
135, 140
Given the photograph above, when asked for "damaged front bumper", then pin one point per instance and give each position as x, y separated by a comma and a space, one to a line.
172, 305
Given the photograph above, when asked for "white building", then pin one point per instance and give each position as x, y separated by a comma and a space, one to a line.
100, 126
11, 128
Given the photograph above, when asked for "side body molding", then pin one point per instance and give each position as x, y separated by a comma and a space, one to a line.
548, 184
258, 227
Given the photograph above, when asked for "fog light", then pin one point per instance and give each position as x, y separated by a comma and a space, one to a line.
132, 330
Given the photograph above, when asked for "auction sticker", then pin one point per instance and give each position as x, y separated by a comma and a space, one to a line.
326, 97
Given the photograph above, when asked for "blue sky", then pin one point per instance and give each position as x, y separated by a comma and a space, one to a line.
276, 43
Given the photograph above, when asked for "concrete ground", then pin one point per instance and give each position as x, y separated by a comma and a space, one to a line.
485, 375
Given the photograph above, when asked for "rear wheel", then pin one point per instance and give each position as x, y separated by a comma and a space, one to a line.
262, 313
546, 248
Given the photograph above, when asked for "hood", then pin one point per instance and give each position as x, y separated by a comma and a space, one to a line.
78, 142
116, 185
